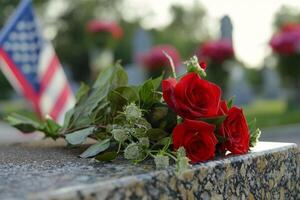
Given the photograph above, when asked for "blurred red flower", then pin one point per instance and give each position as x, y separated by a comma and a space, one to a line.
100, 26
287, 40
155, 58
218, 50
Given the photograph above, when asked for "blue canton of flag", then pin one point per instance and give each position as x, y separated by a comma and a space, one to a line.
31, 65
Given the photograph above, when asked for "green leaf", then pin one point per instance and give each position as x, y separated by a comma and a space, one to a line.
67, 119
254, 133
215, 120
161, 116
166, 141
156, 134
129, 93
230, 102
79, 137
220, 138
50, 128
117, 101
157, 81
96, 149
109, 79
82, 91
23, 123
122, 96
148, 92
107, 156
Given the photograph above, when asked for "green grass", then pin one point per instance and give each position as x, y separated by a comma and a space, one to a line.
272, 113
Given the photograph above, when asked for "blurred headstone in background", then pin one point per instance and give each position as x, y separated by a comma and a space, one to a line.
226, 28
141, 43
99, 60
238, 85
271, 83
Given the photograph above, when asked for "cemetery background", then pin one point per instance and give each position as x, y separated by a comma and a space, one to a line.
48, 170
259, 88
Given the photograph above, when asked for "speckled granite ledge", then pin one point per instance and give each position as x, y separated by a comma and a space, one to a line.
47, 170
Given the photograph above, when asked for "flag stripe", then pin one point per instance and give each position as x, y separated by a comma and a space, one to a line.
46, 55
52, 68
28, 91
52, 92
60, 102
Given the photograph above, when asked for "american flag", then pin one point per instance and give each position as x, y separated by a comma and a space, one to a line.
30, 64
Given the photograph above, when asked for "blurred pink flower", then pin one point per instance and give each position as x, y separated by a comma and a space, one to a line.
218, 50
155, 58
287, 40
100, 26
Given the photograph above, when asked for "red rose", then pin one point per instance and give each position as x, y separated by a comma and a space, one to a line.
197, 138
192, 97
235, 130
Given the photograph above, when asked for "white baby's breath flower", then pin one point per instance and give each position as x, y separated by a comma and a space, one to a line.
120, 135
161, 161
133, 152
132, 112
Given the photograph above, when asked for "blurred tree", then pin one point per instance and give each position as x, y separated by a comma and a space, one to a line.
71, 41
286, 20
68, 29
286, 15
254, 76
186, 30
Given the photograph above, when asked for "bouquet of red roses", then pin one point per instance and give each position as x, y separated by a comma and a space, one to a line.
186, 121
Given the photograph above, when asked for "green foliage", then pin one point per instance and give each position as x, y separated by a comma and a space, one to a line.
148, 92
286, 15
28, 124
107, 156
287, 65
25, 124
230, 102
95, 103
95, 149
217, 121
51, 128
79, 136
156, 134
186, 30
193, 66
161, 116
254, 133
272, 113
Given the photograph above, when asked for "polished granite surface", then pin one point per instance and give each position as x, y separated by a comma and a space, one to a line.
48, 170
